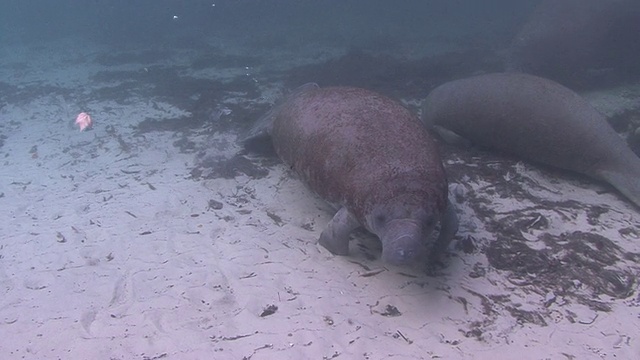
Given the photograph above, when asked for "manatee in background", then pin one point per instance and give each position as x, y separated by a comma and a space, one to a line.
579, 41
536, 119
371, 158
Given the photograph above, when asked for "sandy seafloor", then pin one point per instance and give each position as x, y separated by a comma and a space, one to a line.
148, 237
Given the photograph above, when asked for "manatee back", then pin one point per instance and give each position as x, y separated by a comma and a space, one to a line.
356, 147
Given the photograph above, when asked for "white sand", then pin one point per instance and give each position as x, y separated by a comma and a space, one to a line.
108, 254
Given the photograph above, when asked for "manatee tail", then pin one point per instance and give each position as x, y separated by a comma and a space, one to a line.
261, 128
627, 182
258, 136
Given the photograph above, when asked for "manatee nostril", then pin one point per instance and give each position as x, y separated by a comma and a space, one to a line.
400, 257
403, 250
406, 255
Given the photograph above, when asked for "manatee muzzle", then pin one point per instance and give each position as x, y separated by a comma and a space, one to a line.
404, 242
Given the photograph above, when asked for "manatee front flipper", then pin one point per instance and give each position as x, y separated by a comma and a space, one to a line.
335, 237
445, 134
448, 229
451, 137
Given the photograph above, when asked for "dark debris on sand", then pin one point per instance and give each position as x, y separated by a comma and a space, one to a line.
582, 267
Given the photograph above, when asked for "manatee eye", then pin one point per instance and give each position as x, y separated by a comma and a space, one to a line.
380, 219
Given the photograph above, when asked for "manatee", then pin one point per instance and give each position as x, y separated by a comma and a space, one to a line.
371, 159
536, 119
578, 42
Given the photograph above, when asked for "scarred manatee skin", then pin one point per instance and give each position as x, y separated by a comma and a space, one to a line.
363, 151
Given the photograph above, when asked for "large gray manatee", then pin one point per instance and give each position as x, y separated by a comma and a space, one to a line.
372, 159
571, 41
538, 120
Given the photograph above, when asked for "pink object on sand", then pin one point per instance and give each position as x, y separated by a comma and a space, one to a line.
83, 120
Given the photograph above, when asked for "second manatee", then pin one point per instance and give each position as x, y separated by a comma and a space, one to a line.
536, 119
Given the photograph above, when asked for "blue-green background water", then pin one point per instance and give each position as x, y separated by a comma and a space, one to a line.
343, 20
578, 39
402, 48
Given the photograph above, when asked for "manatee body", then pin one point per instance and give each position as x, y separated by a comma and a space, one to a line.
536, 119
372, 159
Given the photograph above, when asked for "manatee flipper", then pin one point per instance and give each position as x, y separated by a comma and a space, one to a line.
448, 228
335, 237
451, 137
627, 183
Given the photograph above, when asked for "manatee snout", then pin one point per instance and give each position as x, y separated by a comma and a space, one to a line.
404, 241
